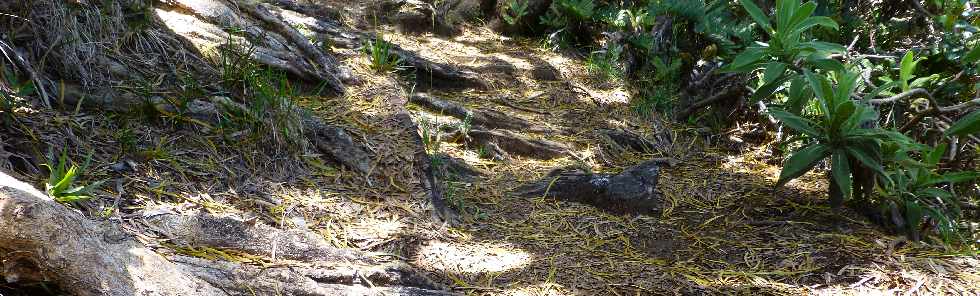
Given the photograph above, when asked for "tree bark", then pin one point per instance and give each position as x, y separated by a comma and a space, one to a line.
43, 241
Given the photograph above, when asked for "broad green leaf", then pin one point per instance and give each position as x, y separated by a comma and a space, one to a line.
913, 215
921, 81
840, 170
757, 15
906, 68
968, 125
797, 123
868, 155
823, 47
827, 64
842, 112
747, 60
972, 56
808, 23
958, 177
799, 95
769, 88
801, 162
934, 156
801, 14
774, 70
862, 114
935, 192
822, 90
874, 93
785, 9
847, 82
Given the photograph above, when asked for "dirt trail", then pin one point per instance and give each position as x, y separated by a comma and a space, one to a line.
720, 229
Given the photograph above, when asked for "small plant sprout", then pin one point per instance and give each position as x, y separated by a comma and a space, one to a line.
62, 182
383, 59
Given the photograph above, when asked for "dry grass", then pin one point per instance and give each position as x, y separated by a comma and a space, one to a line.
723, 229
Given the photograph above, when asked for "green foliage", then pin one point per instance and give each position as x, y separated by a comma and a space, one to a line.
915, 188
266, 110
12, 91
839, 129
837, 132
786, 45
563, 13
571, 21
660, 89
62, 180
968, 125
604, 65
383, 59
514, 11
431, 133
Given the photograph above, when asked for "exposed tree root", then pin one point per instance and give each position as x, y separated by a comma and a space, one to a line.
632, 191
454, 168
427, 175
482, 117
620, 139
280, 47
46, 241
514, 143
314, 280
428, 73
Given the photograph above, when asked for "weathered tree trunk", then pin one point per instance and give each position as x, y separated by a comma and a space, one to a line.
631, 191
42, 240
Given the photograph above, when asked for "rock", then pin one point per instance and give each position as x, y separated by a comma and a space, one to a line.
632, 191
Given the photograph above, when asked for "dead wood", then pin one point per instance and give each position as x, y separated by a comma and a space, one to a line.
45, 241
726, 94
428, 73
282, 46
621, 139
427, 174
325, 138
313, 280
513, 143
480, 117
631, 191
455, 169
230, 232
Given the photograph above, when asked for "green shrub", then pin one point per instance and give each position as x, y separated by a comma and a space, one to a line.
842, 128
915, 189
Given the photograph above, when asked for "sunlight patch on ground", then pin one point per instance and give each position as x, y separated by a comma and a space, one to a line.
200, 34
471, 258
374, 228
543, 289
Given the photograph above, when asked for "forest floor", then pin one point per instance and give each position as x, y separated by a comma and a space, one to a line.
722, 229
